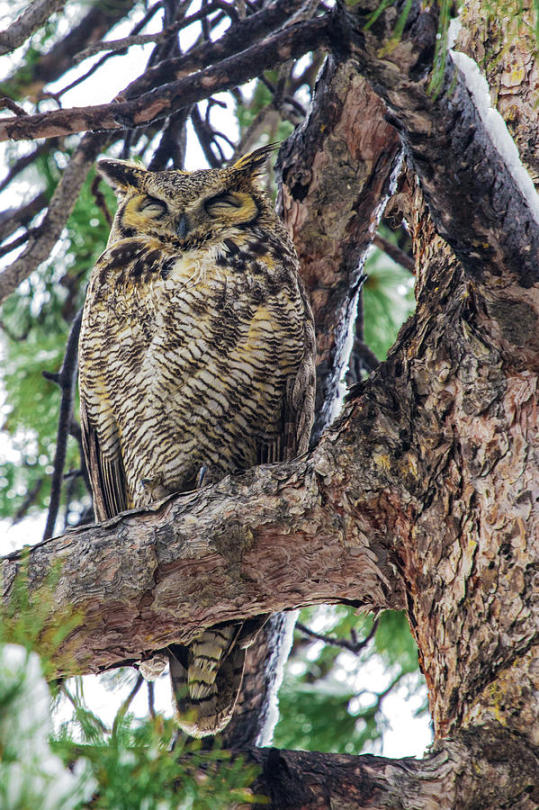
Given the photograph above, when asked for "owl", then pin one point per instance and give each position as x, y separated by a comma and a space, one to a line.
196, 361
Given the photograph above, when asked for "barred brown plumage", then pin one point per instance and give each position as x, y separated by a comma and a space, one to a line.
196, 360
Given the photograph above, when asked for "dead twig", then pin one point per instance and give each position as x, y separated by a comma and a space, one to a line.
66, 380
353, 646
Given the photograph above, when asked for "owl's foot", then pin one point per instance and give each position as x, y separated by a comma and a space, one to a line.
153, 667
153, 489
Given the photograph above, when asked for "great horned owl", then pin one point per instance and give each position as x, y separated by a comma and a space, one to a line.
196, 360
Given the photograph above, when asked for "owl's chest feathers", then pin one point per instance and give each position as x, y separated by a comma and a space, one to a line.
143, 288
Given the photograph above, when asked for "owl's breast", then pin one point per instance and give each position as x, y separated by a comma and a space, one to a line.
196, 357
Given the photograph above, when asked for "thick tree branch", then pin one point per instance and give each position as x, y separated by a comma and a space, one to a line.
276, 537
474, 200
336, 174
484, 767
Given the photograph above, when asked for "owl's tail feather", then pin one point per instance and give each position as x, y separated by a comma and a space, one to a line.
207, 675
206, 679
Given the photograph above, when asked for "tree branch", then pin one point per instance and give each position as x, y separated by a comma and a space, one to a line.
64, 198
66, 380
485, 767
336, 175
32, 18
353, 646
394, 252
473, 198
291, 42
14, 218
279, 536
249, 29
50, 66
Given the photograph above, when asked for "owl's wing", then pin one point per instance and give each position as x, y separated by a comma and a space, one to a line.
106, 471
297, 413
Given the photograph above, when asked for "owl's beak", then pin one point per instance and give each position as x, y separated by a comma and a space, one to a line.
183, 226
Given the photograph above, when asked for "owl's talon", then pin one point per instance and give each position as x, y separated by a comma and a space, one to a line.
201, 476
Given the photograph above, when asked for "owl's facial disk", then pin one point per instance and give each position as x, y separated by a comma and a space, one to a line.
187, 209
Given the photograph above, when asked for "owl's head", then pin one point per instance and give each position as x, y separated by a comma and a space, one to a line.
188, 209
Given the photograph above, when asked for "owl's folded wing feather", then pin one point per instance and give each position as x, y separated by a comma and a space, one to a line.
297, 407
106, 472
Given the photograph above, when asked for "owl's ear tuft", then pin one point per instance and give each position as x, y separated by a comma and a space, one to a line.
121, 173
253, 163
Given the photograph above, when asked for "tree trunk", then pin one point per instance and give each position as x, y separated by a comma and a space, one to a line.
422, 495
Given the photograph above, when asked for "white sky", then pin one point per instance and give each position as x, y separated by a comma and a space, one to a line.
406, 734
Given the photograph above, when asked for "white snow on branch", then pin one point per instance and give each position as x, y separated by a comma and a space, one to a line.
494, 124
275, 666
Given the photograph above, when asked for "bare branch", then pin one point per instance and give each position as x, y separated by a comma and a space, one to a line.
353, 646
281, 46
30, 498
8, 104
394, 253
126, 42
138, 27
120, 714
29, 21
12, 219
159, 36
25, 161
17, 242
50, 66
66, 380
45, 237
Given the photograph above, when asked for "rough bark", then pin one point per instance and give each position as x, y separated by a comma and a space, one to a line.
336, 174
505, 774
268, 540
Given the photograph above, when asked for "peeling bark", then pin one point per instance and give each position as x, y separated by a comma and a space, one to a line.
144, 580
335, 178
504, 775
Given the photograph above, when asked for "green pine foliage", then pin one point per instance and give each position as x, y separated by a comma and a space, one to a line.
141, 766
31, 774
